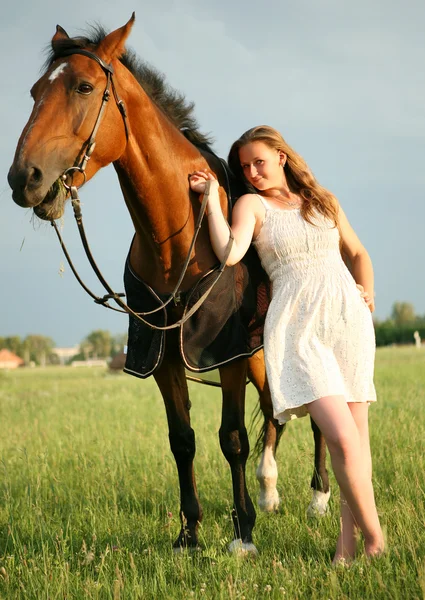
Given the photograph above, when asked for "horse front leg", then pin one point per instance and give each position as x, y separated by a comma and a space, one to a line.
171, 381
235, 447
269, 437
320, 480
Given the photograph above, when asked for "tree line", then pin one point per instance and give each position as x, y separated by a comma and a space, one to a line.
397, 329
39, 349
400, 327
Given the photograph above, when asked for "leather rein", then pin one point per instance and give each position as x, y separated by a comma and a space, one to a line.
67, 180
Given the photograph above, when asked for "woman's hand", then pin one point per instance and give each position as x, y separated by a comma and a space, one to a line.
198, 179
368, 300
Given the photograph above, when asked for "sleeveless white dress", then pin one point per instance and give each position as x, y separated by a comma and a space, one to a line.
319, 338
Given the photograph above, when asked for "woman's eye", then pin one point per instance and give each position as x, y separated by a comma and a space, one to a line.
260, 162
85, 88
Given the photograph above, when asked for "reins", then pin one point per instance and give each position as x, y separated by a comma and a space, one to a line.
111, 295
68, 174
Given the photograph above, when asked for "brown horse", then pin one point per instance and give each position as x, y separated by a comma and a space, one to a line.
140, 131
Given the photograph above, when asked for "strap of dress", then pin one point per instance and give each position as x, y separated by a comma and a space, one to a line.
263, 202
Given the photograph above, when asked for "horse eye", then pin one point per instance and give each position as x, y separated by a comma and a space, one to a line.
85, 88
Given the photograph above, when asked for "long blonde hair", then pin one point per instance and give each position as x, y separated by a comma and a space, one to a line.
300, 179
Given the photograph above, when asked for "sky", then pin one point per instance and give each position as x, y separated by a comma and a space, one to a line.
344, 82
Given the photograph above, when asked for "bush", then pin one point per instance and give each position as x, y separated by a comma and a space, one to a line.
388, 333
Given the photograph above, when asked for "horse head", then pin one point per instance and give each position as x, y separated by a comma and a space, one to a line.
68, 99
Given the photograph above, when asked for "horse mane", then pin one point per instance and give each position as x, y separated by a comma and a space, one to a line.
172, 102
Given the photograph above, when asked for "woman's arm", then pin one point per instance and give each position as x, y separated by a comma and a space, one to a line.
360, 260
243, 219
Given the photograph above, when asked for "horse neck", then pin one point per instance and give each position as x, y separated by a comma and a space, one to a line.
153, 173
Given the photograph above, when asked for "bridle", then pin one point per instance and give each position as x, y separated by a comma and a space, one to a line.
67, 178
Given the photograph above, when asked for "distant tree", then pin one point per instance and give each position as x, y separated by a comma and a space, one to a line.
403, 313
97, 344
420, 320
14, 344
86, 350
118, 343
37, 348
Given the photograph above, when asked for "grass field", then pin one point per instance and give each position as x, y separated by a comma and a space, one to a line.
89, 497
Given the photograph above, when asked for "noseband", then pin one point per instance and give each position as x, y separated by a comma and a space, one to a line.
67, 179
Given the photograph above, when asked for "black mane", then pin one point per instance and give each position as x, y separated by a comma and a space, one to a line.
170, 101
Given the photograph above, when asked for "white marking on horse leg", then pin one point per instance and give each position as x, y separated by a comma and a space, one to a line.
268, 500
187, 550
56, 72
239, 548
319, 504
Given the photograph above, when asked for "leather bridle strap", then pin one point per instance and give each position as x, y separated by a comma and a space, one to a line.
109, 72
69, 173
92, 55
117, 297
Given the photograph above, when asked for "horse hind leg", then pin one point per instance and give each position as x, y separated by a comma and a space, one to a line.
171, 380
268, 439
235, 447
320, 480
266, 473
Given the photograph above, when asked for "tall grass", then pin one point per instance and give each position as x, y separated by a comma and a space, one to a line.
89, 497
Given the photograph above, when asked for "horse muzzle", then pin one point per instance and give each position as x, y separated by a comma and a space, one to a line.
28, 185
29, 190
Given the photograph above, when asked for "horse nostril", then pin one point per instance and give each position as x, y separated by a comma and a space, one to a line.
25, 179
35, 176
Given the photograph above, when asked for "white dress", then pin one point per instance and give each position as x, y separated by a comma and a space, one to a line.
319, 338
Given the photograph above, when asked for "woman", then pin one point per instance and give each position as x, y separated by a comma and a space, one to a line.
319, 340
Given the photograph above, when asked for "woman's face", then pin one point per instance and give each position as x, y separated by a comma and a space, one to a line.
262, 165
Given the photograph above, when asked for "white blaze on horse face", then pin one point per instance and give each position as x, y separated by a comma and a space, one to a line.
55, 74
266, 474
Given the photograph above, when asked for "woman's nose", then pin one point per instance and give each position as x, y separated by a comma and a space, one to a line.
252, 171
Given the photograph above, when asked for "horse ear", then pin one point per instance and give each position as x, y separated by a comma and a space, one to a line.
59, 35
113, 45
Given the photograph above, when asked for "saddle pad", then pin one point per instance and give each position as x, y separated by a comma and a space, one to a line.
227, 326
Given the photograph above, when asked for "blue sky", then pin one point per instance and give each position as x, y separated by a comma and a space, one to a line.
344, 83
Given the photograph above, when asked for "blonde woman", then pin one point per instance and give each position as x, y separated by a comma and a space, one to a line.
319, 340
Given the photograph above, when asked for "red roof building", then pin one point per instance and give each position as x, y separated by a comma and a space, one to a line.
8, 360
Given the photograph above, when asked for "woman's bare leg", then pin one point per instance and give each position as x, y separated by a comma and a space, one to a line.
346, 545
345, 442
347, 540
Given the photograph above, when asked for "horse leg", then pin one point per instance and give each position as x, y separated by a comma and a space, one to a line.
320, 480
171, 381
235, 447
271, 432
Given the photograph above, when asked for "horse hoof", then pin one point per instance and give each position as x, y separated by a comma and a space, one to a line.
240, 548
186, 549
318, 506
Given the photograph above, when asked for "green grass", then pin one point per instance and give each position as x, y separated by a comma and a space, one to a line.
89, 496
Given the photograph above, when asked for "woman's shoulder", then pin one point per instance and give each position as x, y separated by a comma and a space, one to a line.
249, 208
252, 200
249, 197
249, 203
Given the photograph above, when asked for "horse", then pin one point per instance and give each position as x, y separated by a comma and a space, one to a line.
98, 103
